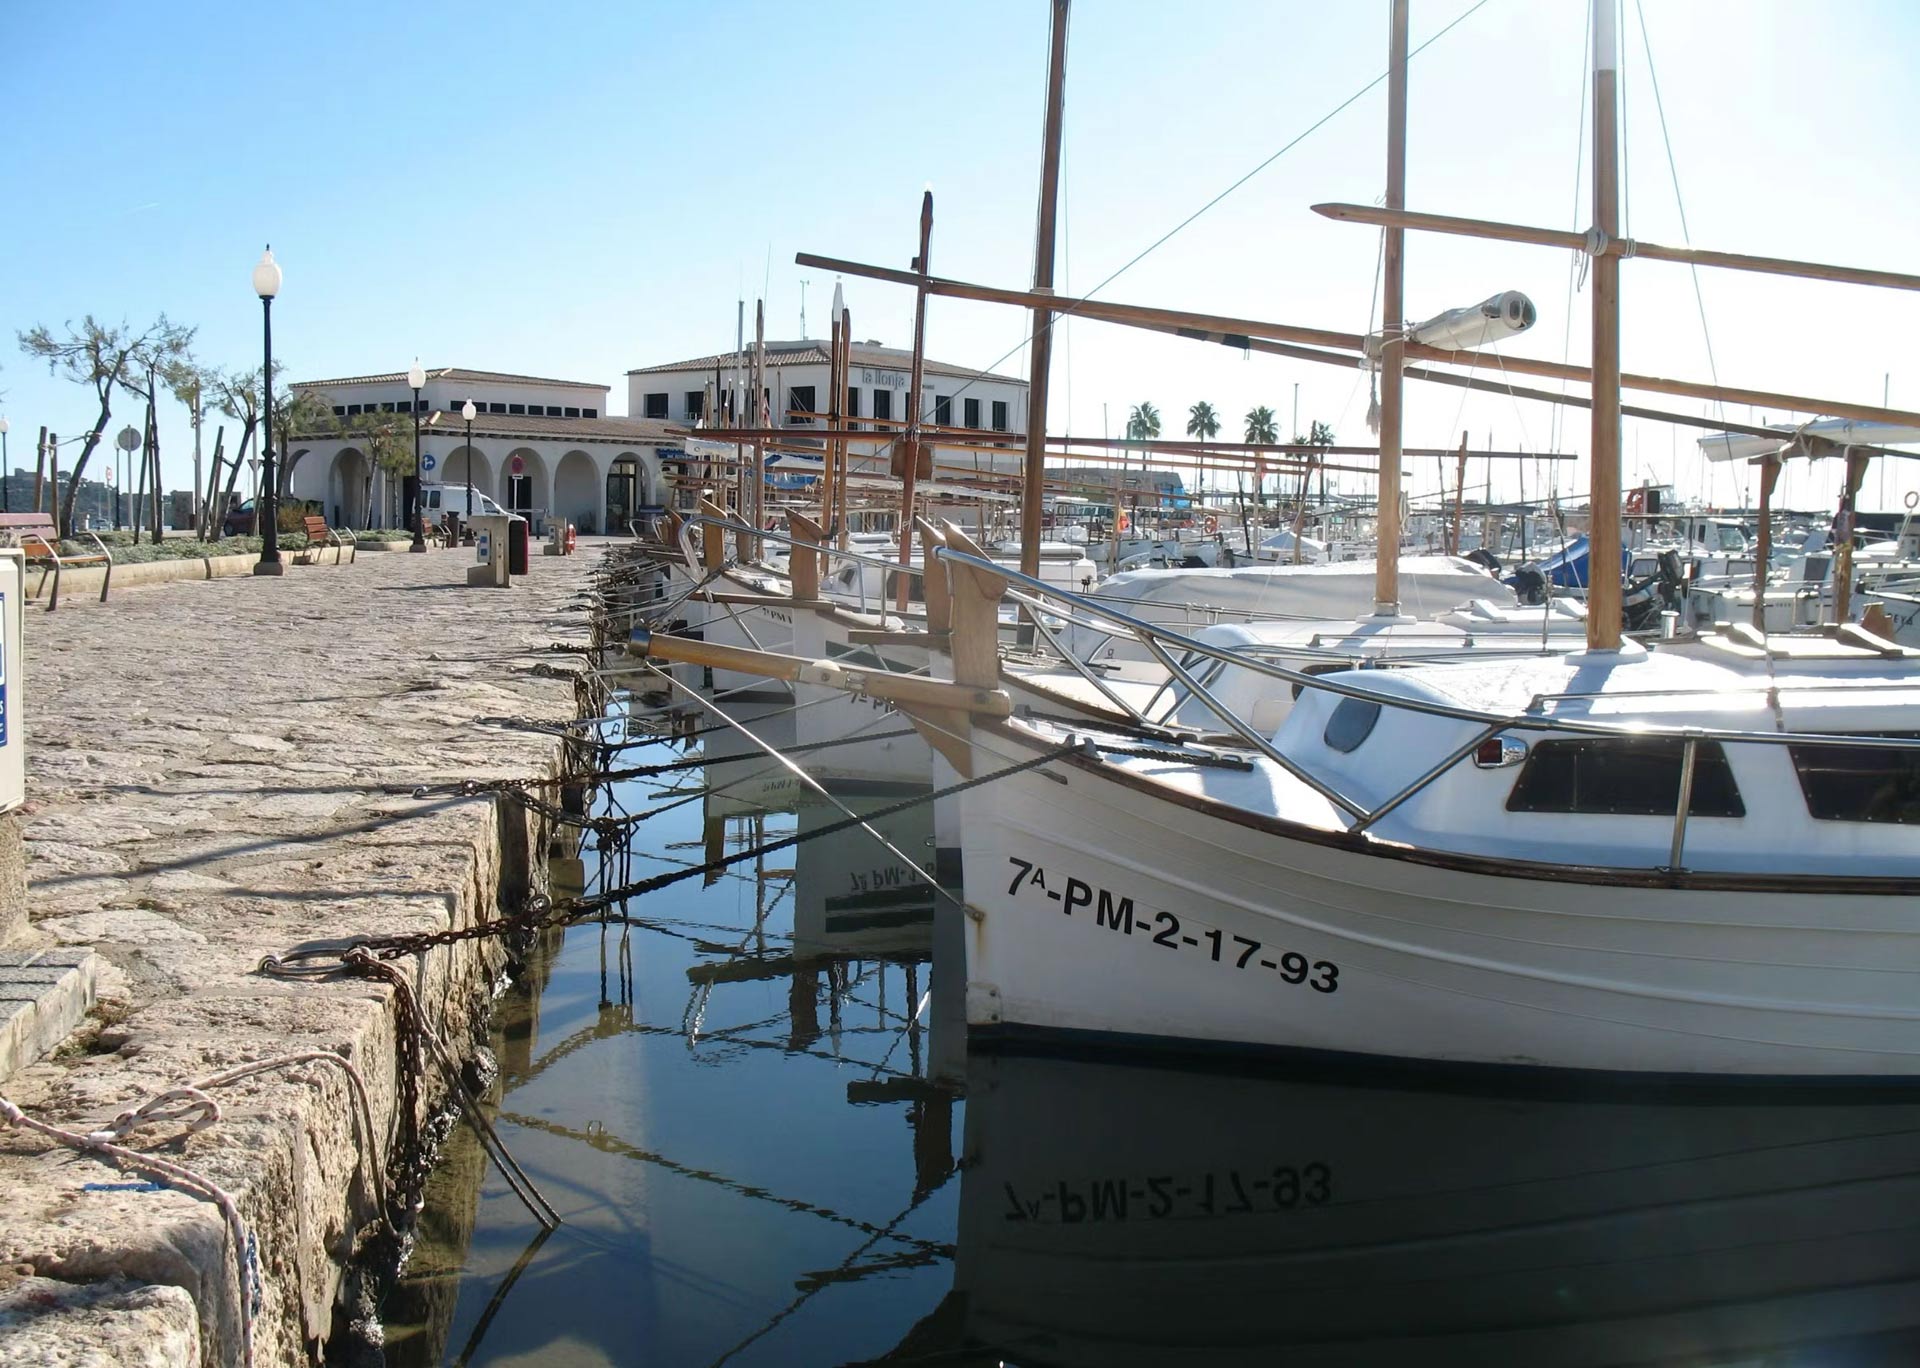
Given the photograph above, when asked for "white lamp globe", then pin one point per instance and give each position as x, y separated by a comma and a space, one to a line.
266, 276
417, 377
5, 426
467, 411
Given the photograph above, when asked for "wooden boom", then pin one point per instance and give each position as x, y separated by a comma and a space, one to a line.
907, 690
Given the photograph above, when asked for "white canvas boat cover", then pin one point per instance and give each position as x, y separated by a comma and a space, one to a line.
1428, 585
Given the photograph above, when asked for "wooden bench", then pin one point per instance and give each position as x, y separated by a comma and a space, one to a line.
320, 537
34, 534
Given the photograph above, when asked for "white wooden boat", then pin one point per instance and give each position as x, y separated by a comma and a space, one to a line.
1400, 877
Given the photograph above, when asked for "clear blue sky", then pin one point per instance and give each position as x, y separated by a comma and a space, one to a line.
574, 189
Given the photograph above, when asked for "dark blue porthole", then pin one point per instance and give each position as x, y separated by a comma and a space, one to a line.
1350, 723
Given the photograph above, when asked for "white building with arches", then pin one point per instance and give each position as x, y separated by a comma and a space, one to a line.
543, 448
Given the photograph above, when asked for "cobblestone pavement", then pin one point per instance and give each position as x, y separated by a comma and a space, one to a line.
218, 770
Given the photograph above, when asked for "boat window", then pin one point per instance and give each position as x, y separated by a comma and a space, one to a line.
1350, 723
1635, 776
916, 587
1859, 783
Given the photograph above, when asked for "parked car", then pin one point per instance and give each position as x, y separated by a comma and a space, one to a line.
437, 500
239, 520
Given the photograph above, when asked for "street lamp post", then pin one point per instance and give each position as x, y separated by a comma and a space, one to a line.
6, 470
467, 412
266, 284
128, 442
416, 519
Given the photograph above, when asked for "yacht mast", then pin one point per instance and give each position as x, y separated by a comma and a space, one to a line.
1603, 535
1386, 558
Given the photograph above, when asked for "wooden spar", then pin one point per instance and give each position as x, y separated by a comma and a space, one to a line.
1386, 555
1460, 492
803, 564
1622, 247
830, 674
1603, 456
1249, 334
1038, 374
1843, 535
1136, 315
1763, 550
1513, 364
910, 465
713, 538
939, 603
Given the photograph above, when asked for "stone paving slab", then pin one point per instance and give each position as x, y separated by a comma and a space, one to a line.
44, 994
219, 770
111, 1324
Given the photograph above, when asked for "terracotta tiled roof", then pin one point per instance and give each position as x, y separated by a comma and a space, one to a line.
814, 353
450, 373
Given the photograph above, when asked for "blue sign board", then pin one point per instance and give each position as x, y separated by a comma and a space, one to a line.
427, 462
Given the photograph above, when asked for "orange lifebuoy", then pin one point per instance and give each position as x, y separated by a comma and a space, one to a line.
1124, 523
573, 539
1637, 501
1213, 524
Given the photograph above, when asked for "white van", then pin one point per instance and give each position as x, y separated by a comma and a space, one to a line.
437, 499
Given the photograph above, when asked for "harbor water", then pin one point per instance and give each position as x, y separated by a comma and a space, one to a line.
751, 1099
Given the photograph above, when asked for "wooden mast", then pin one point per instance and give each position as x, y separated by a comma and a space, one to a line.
749, 548
1763, 551
1460, 492
1603, 497
1843, 536
1032, 490
1386, 556
910, 464
846, 374
836, 396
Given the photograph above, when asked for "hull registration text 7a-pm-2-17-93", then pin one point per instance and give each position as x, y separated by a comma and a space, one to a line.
1117, 912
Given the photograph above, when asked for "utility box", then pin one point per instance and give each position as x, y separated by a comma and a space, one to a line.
490, 551
13, 739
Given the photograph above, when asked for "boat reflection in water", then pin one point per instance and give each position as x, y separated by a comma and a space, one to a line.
1122, 1215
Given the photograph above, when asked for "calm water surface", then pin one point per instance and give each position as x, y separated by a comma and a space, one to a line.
747, 1103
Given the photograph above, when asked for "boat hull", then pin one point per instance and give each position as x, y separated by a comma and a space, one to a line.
1108, 910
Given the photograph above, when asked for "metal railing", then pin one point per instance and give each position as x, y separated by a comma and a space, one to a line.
1160, 641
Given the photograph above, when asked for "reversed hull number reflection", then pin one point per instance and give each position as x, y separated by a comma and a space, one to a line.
1161, 1197
1115, 912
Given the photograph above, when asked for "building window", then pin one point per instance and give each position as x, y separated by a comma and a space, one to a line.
971, 410
654, 406
496, 408
1635, 777
1859, 783
853, 406
517, 408
353, 410
339, 410
589, 413
696, 405
942, 410
571, 413
553, 410
999, 415
883, 403
800, 405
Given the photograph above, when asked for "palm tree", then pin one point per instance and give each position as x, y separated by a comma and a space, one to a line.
1144, 424
1260, 425
1204, 423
